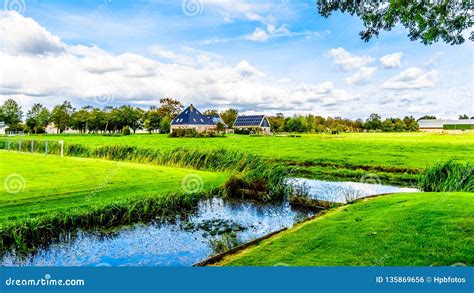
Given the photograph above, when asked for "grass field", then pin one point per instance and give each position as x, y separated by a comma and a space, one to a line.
48, 184
397, 230
403, 150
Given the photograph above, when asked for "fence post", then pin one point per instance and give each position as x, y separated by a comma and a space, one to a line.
32, 146
46, 148
19, 146
9, 144
61, 142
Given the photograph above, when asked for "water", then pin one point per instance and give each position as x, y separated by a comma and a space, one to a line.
187, 240
164, 244
343, 192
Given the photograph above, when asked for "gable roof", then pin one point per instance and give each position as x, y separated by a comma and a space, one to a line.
250, 121
192, 116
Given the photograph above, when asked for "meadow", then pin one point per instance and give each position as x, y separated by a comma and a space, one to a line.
395, 157
421, 229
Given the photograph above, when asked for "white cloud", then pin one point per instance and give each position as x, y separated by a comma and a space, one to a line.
363, 76
35, 40
412, 78
391, 60
347, 61
259, 35
81, 72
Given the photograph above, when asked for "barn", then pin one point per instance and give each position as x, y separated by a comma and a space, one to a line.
252, 123
439, 125
192, 118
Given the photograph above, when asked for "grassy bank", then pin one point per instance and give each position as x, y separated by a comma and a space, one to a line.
43, 195
317, 156
397, 230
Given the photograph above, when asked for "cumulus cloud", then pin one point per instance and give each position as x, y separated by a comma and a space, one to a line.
79, 73
391, 60
363, 76
32, 41
347, 61
259, 35
412, 78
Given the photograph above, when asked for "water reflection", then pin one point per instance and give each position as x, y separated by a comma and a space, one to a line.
343, 192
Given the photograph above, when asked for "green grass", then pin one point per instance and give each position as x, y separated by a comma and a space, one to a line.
421, 229
448, 176
401, 153
52, 183
72, 192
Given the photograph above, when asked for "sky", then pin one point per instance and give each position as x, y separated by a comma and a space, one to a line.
257, 56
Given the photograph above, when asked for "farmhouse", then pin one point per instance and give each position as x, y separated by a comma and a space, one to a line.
253, 123
440, 125
191, 118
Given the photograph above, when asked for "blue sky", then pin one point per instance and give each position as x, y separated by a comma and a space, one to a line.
257, 56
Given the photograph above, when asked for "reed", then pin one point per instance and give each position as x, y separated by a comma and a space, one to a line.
448, 176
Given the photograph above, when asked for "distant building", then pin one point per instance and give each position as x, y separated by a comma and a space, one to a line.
52, 129
440, 125
253, 123
192, 118
3, 128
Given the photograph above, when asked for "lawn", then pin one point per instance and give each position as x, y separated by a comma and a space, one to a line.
396, 230
49, 184
386, 150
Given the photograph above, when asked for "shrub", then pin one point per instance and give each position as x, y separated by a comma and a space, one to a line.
126, 130
448, 176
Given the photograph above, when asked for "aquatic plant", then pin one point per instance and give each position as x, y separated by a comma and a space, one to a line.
448, 176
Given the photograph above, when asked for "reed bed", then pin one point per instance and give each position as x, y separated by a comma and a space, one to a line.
448, 176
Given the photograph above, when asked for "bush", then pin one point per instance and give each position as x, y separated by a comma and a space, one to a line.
242, 131
126, 130
448, 176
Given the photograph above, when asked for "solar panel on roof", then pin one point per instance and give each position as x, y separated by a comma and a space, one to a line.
251, 120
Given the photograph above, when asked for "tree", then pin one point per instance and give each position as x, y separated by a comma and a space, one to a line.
374, 122
61, 115
11, 114
151, 119
297, 124
427, 21
165, 125
427, 117
220, 127
37, 118
463, 117
211, 112
410, 123
170, 107
229, 116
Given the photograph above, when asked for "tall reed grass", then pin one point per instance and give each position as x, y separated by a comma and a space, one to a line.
448, 176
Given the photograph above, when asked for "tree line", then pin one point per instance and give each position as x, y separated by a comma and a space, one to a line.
157, 119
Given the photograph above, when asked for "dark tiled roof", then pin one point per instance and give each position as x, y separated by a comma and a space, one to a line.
216, 118
192, 116
248, 121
